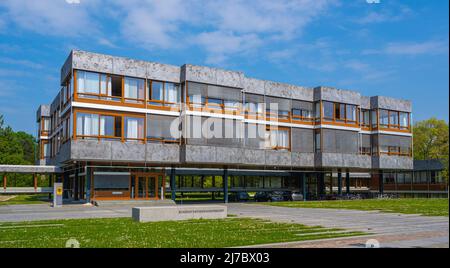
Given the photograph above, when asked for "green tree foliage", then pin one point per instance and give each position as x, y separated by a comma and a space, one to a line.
16, 148
431, 141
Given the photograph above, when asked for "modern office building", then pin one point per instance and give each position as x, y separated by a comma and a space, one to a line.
129, 129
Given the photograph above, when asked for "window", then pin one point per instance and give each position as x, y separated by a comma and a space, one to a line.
110, 126
328, 110
339, 111
278, 139
46, 124
99, 86
157, 91
404, 120
374, 119
350, 112
134, 90
171, 93
364, 118
134, 128
394, 119
278, 107
254, 104
87, 125
46, 150
163, 128
384, 118
164, 93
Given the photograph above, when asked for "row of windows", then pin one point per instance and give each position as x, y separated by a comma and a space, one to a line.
130, 90
212, 98
417, 177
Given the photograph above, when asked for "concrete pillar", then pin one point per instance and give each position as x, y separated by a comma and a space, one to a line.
347, 182
339, 182
225, 185
50, 179
381, 182
303, 184
76, 189
88, 184
173, 184
321, 183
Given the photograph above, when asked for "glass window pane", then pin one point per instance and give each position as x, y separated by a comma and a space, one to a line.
91, 83
404, 119
134, 128
384, 117
107, 126
87, 124
393, 118
172, 93
328, 109
157, 90
351, 112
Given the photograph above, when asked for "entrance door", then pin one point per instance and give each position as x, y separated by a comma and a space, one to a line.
145, 186
152, 187
141, 187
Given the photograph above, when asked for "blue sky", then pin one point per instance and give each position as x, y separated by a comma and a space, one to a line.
394, 48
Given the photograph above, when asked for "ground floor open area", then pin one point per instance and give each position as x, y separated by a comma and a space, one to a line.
248, 224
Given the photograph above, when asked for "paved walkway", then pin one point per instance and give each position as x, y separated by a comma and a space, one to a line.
390, 229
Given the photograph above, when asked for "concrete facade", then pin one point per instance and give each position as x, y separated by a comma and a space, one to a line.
338, 146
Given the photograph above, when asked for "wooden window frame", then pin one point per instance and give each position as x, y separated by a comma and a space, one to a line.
301, 118
106, 99
269, 129
164, 105
365, 125
107, 113
394, 127
339, 121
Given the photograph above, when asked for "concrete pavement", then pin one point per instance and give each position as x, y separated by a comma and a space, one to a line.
390, 229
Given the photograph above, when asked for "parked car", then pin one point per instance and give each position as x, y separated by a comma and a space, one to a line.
262, 196
281, 196
238, 196
297, 196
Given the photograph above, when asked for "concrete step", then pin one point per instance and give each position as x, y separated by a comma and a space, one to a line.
134, 203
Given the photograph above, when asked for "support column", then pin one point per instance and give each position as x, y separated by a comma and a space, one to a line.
339, 182
76, 185
381, 182
173, 184
65, 181
347, 182
50, 179
321, 183
88, 178
303, 183
35, 181
225, 185
4, 181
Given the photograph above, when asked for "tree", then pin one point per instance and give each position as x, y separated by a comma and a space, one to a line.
431, 141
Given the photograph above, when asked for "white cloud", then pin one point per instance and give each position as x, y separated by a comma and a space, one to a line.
431, 47
49, 17
221, 28
390, 14
25, 63
220, 45
428, 47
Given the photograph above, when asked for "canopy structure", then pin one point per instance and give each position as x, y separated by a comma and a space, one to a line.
30, 169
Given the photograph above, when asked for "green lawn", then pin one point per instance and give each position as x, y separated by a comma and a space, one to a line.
125, 233
26, 199
427, 207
